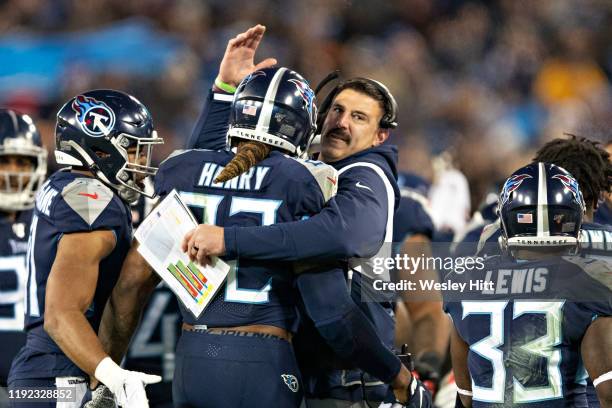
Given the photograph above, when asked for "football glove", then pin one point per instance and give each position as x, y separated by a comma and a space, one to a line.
419, 397
128, 387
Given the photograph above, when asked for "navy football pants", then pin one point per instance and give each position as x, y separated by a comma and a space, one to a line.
224, 370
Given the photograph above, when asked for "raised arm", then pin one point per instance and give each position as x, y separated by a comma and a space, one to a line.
238, 62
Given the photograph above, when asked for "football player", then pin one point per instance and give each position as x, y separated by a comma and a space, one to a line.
591, 167
357, 117
421, 322
80, 233
517, 340
250, 323
23, 165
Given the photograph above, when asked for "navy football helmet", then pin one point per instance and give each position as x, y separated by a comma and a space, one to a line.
19, 137
95, 130
274, 106
541, 205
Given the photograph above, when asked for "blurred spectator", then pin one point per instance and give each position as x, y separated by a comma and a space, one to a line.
486, 80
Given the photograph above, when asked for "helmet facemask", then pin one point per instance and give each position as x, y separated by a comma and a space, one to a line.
137, 153
18, 189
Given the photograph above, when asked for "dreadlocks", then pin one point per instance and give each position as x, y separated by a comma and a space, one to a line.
249, 154
585, 160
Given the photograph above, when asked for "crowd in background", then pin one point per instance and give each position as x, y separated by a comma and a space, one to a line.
487, 82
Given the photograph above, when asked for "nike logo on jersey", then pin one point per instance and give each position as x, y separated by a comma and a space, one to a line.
94, 195
358, 184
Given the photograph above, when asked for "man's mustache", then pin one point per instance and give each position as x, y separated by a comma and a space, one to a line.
339, 133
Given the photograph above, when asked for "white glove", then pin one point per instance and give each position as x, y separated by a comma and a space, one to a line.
127, 386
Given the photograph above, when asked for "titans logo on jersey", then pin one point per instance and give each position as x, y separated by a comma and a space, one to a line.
13, 247
524, 328
67, 203
279, 189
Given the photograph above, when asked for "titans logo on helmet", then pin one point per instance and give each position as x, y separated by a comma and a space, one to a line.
571, 184
307, 93
253, 75
95, 117
512, 184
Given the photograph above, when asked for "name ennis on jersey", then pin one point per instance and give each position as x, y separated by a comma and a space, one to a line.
67, 203
279, 189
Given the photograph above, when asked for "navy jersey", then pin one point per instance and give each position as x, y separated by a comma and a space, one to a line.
67, 203
13, 246
277, 190
412, 216
525, 329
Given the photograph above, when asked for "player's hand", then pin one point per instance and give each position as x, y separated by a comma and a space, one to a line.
204, 241
128, 387
100, 397
239, 58
427, 367
417, 396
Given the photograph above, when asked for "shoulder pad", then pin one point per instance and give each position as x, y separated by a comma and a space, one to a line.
174, 154
325, 175
598, 269
87, 197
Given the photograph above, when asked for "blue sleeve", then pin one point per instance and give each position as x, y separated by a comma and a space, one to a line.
411, 218
211, 128
353, 224
343, 325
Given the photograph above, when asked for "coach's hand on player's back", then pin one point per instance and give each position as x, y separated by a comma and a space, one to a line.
127, 386
204, 241
239, 58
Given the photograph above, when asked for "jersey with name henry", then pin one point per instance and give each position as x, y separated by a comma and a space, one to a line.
67, 203
276, 190
524, 323
13, 246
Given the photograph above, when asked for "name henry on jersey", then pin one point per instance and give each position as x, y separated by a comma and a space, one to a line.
251, 180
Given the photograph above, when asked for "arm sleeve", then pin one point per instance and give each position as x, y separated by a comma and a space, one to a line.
353, 224
345, 328
211, 128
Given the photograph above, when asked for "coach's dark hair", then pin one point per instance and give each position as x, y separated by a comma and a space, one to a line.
376, 91
585, 160
249, 153
370, 87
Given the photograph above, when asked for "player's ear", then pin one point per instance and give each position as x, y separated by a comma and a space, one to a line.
380, 137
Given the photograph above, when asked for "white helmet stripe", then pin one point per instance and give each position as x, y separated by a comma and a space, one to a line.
263, 124
543, 228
